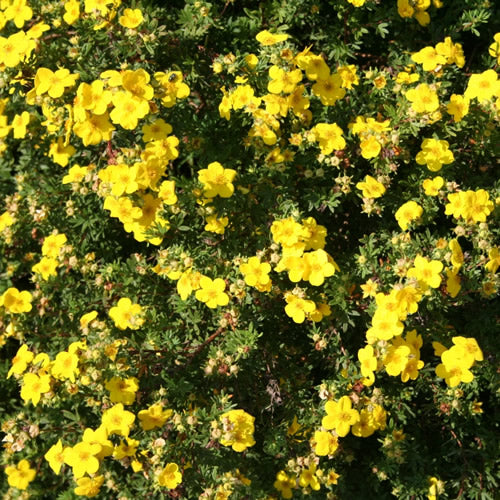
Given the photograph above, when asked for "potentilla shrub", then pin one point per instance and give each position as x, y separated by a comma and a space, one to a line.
249, 249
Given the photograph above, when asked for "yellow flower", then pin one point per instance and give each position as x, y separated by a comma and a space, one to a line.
407, 213
371, 188
54, 83
154, 416
89, 486
21, 361
65, 366
122, 390
483, 86
19, 12
34, 386
52, 245
297, 308
340, 416
72, 11
211, 292
46, 267
131, 18
19, 476
434, 154
329, 136
426, 272
309, 478
256, 273
423, 99
19, 124
429, 58
60, 153
55, 456
170, 477
217, 180
116, 420
128, 109
284, 484
16, 302
126, 314
324, 443
432, 186
238, 428
82, 459
266, 38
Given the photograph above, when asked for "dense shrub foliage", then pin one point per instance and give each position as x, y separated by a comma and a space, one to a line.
249, 249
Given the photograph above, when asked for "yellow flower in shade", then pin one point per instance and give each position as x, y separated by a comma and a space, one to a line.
297, 308
238, 429
426, 272
368, 362
494, 49
458, 107
256, 273
126, 448
348, 76
19, 476
217, 180
34, 386
100, 437
46, 268
423, 99
122, 390
432, 186
211, 292
371, 188
55, 456
16, 302
494, 260
170, 476
19, 124
340, 416
434, 154
324, 443
126, 314
82, 458
21, 361
483, 86
60, 153
285, 484
407, 213
309, 478
116, 420
154, 416
131, 18
89, 486
216, 224
452, 282
266, 38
